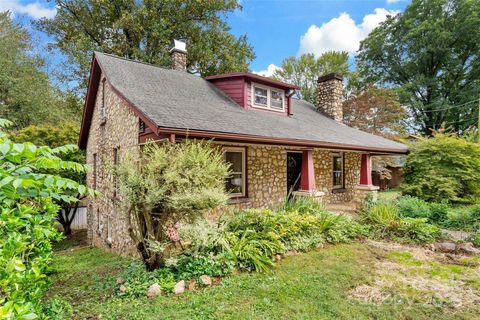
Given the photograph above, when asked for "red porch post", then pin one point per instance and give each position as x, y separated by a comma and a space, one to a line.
307, 180
366, 170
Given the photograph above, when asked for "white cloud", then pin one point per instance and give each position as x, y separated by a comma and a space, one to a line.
393, 1
341, 33
34, 10
269, 71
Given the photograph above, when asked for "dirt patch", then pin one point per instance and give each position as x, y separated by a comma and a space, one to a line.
78, 239
416, 275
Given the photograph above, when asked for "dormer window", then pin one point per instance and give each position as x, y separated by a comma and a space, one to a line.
268, 98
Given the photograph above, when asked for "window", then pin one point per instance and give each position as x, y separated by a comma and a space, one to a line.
103, 109
141, 126
276, 100
267, 98
338, 171
115, 177
94, 171
235, 183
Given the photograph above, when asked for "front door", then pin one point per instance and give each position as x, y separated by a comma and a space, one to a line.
294, 171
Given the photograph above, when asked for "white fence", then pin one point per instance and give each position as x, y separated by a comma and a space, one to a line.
80, 220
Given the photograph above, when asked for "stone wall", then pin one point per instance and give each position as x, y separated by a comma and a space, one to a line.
267, 176
323, 164
107, 226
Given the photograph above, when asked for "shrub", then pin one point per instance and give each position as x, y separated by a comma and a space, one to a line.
475, 238
188, 267
417, 230
385, 220
175, 183
302, 205
382, 215
467, 218
443, 168
439, 212
253, 250
27, 214
137, 280
413, 207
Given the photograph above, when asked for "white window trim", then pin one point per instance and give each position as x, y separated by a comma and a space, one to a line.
103, 107
244, 169
269, 89
340, 154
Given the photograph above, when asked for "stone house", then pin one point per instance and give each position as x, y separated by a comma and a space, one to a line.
274, 142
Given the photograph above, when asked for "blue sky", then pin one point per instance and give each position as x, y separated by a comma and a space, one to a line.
275, 28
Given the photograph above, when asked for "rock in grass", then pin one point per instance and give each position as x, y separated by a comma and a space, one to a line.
123, 288
179, 287
206, 280
191, 285
154, 291
467, 248
120, 280
446, 247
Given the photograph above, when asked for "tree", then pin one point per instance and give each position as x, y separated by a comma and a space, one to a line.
445, 167
305, 70
55, 136
174, 183
144, 30
375, 110
431, 53
27, 212
26, 94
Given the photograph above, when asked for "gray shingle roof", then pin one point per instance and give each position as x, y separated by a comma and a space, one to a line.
177, 99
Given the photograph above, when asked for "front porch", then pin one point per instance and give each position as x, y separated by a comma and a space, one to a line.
333, 177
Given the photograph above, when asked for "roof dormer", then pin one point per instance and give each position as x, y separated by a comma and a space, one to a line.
252, 91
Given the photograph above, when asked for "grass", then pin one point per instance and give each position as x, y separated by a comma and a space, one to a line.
390, 194
315, 285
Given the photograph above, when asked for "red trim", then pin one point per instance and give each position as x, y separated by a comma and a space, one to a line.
307, 179
89, 102
253, 76
278, 141
366, 170
144, 137
95, 73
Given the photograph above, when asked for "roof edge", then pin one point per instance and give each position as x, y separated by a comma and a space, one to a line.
90, 99
279, 141
252, 76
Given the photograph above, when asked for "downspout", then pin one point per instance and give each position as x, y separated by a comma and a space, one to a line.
289, 95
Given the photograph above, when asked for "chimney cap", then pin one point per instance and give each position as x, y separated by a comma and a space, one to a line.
330, 76
178, 45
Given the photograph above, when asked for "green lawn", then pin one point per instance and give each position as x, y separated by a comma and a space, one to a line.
390, 194
315, 285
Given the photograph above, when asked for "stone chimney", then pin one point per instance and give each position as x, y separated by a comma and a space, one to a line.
330, 94
178, 55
